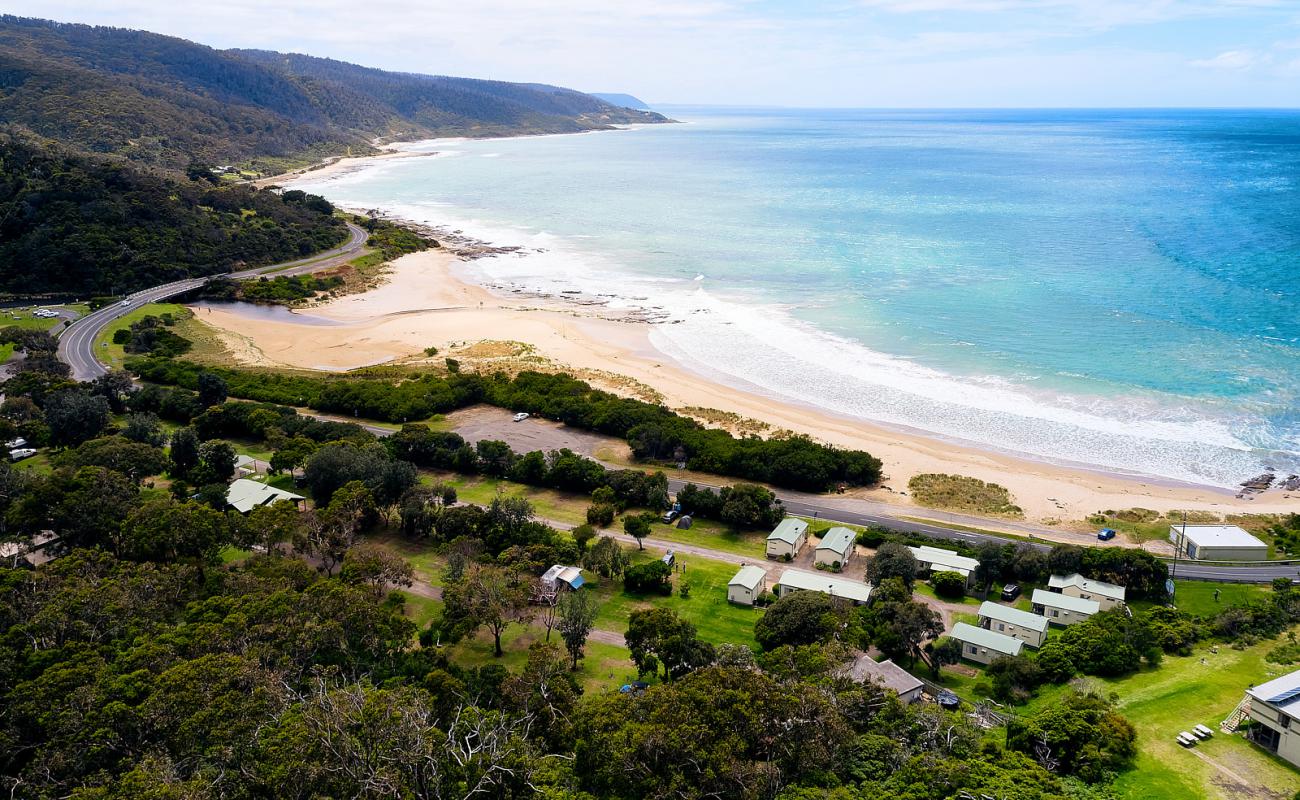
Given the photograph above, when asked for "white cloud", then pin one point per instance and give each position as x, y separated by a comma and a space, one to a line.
1229, 59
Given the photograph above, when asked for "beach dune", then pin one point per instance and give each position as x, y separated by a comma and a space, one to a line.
424, 303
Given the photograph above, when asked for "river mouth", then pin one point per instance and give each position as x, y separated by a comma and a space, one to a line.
263, 313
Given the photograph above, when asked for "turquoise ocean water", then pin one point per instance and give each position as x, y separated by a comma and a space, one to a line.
1116, 289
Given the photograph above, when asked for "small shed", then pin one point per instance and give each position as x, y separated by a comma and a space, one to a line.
747, 585
886, 673
787, 539
836, 548
244, 495
1216, 543
1108, 595
982, 646
1028, 628
557, 578
1063, 609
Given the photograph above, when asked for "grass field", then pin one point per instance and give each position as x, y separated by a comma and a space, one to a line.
717, 620
22, 317
113, 354
604, 667
421, 610
1197, 597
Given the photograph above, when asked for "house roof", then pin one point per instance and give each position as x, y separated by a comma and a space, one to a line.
826, 584
1111, 590
886, 672
991, 640
1282, 693
944, 560
243, 460
749, 576
1042, 597
1013, 616
244, 495
789, 530
838, 539
1215, 536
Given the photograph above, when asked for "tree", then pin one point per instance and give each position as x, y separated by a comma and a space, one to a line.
582, 535
658, 637
1015, 679
1079, 734
749, 506
376, 567
606, 558
212, 389
268, 526
145, 428
892, 560
950, 585
647, 578
485, 596
577, 618
993, 559
1065, 559
184, 452
114, 386
943, 652
216, 463
638, 527
136, 461
168, 531
802, 618
75, 417
899, 626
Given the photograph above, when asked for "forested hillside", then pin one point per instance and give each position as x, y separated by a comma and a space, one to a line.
165, 101
87, 226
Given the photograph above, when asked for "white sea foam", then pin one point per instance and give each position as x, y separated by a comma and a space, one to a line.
762, 347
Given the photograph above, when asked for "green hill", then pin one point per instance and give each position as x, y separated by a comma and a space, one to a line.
164, 101
85, 226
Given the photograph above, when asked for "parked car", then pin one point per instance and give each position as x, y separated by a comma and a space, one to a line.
21, 453
1010, 592
521, 416
1106, 534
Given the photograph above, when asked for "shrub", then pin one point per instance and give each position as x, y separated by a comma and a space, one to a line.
649, 578
947, 584
963, 494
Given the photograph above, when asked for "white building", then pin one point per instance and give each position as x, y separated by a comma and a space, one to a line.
1062, 608
795, 580
1108, 595
245, 495
1275, 709
836, 548
934, 559
1028, 628
747, 585
787, 539
1216, 543
978, 644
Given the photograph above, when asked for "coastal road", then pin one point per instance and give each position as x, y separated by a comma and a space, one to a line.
840, 510
77, 341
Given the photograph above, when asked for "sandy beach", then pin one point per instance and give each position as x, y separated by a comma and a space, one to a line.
423, 303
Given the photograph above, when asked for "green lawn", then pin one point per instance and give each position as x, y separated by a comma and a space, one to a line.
421, 610
1182, 692
604, 667
22, 317
717, 620
547, 504
113, 354
1197, 597
710, 534
927, 590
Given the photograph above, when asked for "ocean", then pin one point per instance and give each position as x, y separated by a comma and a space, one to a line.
1115, 289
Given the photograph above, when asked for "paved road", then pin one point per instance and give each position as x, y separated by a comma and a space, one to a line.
77, 341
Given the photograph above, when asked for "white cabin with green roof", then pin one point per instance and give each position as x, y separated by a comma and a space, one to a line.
787, 539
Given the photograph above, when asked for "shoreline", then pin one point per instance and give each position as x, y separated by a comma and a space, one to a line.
428, 300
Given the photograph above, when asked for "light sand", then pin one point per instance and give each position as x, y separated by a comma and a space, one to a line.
424, 304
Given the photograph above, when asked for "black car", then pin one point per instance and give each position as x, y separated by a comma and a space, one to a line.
1010, 592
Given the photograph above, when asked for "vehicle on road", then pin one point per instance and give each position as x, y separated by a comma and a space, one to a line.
1106, 534
1010, 592
521, 416
126, 303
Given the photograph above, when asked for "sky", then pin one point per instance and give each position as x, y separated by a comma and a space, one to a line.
846, 53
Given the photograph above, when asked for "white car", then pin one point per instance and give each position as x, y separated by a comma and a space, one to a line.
21, 453
126, 303
521, 416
